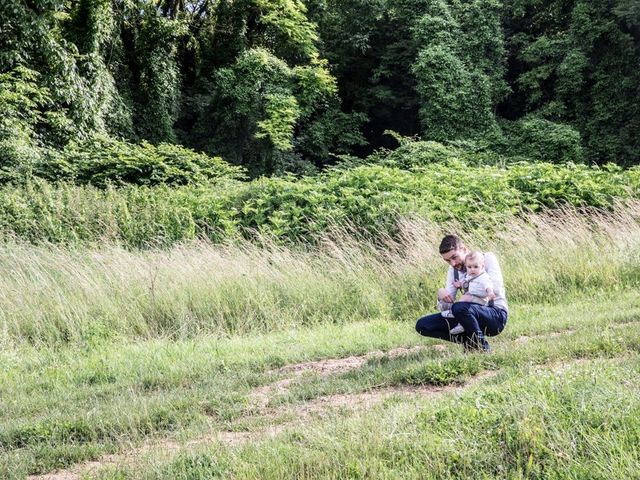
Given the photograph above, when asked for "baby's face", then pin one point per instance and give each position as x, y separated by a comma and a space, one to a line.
474, 267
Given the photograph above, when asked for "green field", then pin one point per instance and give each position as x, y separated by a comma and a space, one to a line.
219, 224
266, 362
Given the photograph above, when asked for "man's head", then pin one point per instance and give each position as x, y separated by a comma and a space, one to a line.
474, 263
453, 251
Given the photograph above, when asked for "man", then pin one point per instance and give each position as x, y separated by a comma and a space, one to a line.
478, 320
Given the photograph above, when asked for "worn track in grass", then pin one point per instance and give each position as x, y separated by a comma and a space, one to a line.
317, 407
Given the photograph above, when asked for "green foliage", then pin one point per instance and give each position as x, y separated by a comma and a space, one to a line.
157, 79
240, 122
25, 119
31, 39
459, 69
370, 45
257, 126
576, 62
528, 139
540, 139
20, 99
462, 65
286, 30
455, 103
282, 112
412, 154
287, 85
314, 86
101, 104
369, 198
101, 161
331, 133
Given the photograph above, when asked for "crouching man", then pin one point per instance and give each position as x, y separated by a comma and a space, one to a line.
466, 322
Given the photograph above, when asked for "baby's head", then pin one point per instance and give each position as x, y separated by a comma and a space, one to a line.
474, 263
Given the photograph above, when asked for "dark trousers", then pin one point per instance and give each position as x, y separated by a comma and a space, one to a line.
477, 320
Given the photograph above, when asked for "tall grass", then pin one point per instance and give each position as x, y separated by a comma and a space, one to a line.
51, 294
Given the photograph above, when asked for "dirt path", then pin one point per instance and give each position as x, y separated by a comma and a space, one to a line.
302, 412
317, 407
325, 367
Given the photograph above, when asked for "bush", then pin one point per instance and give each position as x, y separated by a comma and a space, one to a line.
539, 139
413, 154
102, 160
417, 153
369, 198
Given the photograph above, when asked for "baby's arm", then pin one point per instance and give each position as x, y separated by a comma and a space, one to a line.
488, 287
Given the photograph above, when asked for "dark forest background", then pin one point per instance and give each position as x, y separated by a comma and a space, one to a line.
285, 85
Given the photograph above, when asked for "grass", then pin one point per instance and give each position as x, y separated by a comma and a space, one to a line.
112, 351
53, 295
529, 423
61, 405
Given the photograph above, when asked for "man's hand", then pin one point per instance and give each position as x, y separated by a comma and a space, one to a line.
444, 295
458, 284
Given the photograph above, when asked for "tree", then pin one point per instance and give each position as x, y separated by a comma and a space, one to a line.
459, 69
576, 62
268, 108
370, 45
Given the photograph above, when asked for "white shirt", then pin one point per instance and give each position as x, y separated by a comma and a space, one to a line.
492, 267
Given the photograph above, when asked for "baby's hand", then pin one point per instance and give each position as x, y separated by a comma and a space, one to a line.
491, 296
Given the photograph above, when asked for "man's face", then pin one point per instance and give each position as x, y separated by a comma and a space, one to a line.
455, 258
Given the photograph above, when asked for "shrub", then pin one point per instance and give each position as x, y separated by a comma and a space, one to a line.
412, 154
369, 198
102, 160
539, 139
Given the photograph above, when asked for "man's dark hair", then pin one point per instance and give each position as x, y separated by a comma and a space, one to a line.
450, 242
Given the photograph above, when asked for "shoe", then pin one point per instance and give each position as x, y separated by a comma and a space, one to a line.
457, 330
446, 314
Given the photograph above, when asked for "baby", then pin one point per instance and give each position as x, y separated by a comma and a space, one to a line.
476, 285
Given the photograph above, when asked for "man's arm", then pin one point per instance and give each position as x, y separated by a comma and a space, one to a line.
448, 293
492, 267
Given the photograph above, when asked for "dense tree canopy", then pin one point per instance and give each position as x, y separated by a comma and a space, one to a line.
288, 85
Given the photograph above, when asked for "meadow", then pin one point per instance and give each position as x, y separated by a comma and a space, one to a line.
262, 360
219, 224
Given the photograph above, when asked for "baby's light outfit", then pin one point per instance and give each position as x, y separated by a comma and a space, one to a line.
477, 287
